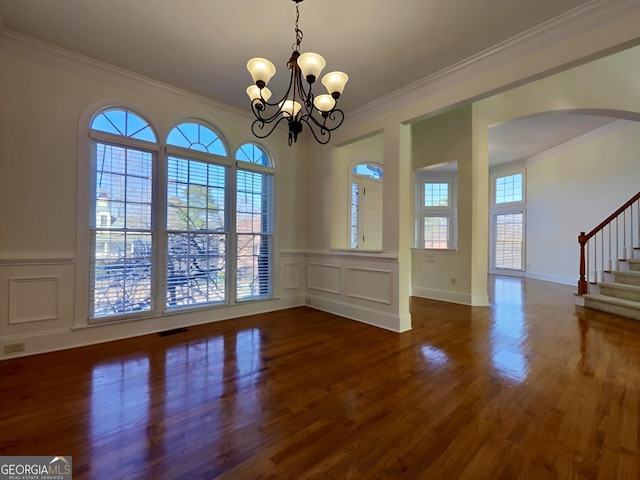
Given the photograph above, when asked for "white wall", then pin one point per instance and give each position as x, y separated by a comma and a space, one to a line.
47, 99
446, 138
532, 57
573, 190
43, 92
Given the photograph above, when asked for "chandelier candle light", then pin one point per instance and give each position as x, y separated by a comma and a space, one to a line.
298, 104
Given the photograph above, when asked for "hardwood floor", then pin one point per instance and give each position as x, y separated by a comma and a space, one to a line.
531, 388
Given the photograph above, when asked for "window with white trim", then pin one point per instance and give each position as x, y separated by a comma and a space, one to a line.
161, 238
254, 223
508, 189
365, 219
435, 212
509, 240
508, 201
122, 235
196, 222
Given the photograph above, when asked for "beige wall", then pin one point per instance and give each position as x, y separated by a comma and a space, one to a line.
446, 138
367, 150
479, 80
442, 138
573, 190
577, 185
45, 92
46, 102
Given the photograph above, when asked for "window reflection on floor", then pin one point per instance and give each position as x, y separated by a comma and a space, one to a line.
248, 356
508, 333
119, 406
193, 373
434, 355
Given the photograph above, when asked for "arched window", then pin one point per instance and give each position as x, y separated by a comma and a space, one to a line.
195, 136
123, 123
196, 219
254, 222
368, 170
252, 153
176, 227
122, 216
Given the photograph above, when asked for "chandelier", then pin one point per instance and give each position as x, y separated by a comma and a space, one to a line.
299, 104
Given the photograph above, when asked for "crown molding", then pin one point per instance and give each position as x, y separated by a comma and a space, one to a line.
23, 46
585, 137
575, 22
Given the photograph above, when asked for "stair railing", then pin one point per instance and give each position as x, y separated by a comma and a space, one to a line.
616, 238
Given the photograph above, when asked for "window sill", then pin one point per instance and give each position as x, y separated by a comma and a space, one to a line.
168, 313
435, 251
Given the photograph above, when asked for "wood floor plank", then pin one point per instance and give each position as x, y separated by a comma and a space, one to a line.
532, 387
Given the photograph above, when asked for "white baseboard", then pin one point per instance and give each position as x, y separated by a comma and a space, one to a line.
552, 278
536, 276
473, 300
388, 321
62, 339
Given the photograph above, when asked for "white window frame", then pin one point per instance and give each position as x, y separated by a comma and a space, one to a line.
98, 137
85, 214
423, 211
269, 233
505, 174
213, 159
507, 208
358, 178
493, 237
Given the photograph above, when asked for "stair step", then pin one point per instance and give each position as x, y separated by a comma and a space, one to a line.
633, 263
617, 306
628, 277
620, 290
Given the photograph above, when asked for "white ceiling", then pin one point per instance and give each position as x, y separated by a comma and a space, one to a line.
203, 45
525, 138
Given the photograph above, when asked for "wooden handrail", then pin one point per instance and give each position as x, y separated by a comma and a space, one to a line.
609, 219
583, 238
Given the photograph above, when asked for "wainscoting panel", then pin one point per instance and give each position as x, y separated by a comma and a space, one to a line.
291, 275
34, 299
38, 292
370, 284
358, 285
325, 278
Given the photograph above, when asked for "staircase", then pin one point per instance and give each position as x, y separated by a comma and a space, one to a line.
610, 263
620, 294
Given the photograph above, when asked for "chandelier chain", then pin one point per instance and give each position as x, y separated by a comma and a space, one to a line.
296, 46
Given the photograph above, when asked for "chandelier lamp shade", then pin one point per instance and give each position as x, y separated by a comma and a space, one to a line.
299, 104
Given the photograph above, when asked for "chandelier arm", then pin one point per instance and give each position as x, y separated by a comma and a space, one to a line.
260, 107
325, 134
259, 125
335, 118
298, 98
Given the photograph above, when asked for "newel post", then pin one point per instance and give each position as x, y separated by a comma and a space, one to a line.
582, 282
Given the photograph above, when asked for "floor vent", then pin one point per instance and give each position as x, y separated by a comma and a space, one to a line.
172, 332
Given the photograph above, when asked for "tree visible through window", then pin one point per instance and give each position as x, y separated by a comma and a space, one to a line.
254, 223
196, 236
197, 181
122, 237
